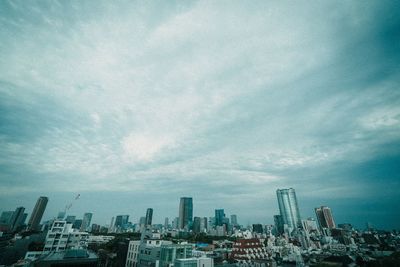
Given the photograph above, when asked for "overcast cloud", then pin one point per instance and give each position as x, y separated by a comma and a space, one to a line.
134, 104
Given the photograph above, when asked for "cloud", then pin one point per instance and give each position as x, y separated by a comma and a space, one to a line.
232, 99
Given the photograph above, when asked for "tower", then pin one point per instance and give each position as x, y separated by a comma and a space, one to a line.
37, 213
87, 217
149, 216
185, 212
17, 218
288, 208
219, 217
324, 217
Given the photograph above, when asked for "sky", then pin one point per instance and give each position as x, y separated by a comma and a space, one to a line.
134, 104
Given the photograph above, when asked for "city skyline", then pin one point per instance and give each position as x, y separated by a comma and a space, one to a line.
135, 104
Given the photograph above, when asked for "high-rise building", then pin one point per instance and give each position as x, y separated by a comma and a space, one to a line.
185, 212
289, 208
166, 223
258, 228
196, 225
121, 221
324, 217
77, 224
149, 216
70, 219
219, 217
234, 220
61, 215
16, 218
5, 217
87, 218
37, 213
278, 224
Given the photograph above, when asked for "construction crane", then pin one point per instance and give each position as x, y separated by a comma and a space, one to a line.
67, 207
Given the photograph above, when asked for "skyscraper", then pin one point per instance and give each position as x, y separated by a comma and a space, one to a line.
87, 217
324, 217
234, 220
185, 212
37, 213
289, 208
121, 221
16, 218
149, 216
219, 217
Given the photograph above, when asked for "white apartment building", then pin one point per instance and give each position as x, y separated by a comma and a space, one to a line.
61, 236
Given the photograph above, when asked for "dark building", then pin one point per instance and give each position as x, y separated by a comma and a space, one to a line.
77, 224
17, 218
37, 213
258, 228
149, 216
185, 213
121, 221
278, 224
196, 224
219, 217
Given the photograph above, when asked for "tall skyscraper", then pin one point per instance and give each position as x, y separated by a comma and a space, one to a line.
16, 218
6, 217
234, 220
166, 223
87, 218
289, 208
219, 217
324, 217
196, 225
149, 216
37, 213
278, 224
185, 212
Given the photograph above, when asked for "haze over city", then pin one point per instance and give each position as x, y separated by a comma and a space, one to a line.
135, 104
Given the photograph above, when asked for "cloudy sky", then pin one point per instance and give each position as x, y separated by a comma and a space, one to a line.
134, 104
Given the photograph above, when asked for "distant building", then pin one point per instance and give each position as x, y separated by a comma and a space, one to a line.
37, 213
219, 217
17, 218
150, 251
234, 220
324, 217
288, 207
87, 218
121, 221
149, 217
196, 224
185, 213
61, 215
70, 219
77, 224
166, 223
278, 224
258, 228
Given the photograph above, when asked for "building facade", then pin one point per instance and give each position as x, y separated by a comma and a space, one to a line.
37, 213
185, 213
288, 208
325, 217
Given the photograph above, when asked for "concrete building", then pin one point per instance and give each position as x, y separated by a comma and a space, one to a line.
133, 254
61, 236
37, 213
234, 220
288, 208
185, 213
150, 251
170, 253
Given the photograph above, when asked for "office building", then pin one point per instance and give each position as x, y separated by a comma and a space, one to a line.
172, 252
37, 213
219, 217
17, 218
279, 225
149, 217
133, 254
5, 217
166, 223
121, 221
258, 228
234, 220
77, 224
70, 219
324, 217
185, 213
196, 225
288, 208
87, 218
